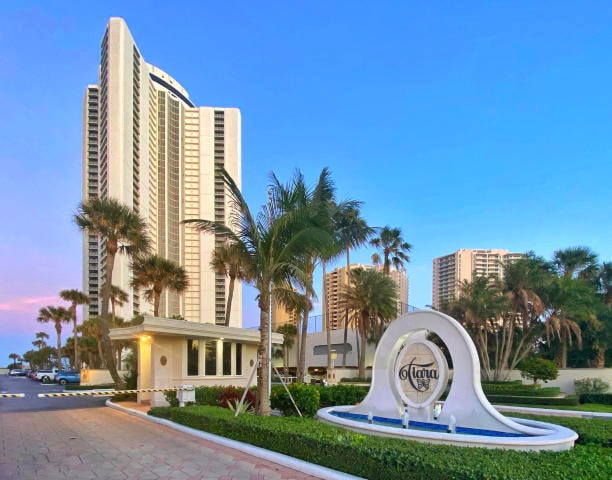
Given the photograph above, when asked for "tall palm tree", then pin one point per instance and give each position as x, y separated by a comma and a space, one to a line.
57, 316
576, 262
275, 241
232, 260
604, 282
394, 248
122, 231
371, 296
118, 297
75, 297
480, 307
158, 274
351, 231
91, 332
14, 357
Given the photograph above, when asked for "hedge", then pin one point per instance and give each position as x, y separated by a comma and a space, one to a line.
521, 390
591, 431
568, 400
602, 398
342, 395
377, 457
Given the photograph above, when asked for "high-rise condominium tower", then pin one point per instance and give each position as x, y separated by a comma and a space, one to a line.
335, 283
465, 264
147, 145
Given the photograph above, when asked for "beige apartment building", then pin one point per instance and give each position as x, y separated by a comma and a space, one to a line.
336, 281
465, 264
146, 144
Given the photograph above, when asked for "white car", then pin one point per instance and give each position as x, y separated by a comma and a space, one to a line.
46, 375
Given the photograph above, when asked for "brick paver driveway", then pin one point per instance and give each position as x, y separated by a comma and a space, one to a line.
102, 443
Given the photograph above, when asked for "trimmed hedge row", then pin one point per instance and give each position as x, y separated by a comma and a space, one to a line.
591, 431
568, 400
521, 390
602, 398
377, 457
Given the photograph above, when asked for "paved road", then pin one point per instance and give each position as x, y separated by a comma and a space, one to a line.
102, 443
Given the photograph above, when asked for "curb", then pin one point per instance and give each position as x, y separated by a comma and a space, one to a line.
278, 458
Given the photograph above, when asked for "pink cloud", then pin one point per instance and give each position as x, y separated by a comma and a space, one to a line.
28, 304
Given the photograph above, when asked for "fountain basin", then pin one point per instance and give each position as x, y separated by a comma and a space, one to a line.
549, 437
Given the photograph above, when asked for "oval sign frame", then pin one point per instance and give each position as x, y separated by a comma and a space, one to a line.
442, 373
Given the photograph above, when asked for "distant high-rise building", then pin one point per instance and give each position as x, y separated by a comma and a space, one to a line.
147, 145
336, 281
465, 264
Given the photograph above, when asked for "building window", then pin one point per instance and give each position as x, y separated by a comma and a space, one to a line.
210, 363
193, 350
227, 358
239, 359
338, 347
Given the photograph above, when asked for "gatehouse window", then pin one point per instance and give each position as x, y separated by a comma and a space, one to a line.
210, 360
193, 356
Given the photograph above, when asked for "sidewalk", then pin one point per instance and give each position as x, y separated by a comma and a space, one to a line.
234, 448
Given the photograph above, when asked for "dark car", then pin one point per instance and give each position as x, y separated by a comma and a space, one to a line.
65, 377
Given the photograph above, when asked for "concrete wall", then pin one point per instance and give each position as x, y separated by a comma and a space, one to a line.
565, 380
98, 377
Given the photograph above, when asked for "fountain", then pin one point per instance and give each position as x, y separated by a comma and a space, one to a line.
410, 374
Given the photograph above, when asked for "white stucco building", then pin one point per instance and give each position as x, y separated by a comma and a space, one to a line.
146, 144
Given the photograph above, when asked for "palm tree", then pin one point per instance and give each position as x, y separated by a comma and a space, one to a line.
75, 297
568, 301
231, 259
122, 231
275, 242
480, 307
159, 274
371, 296
352, 231
14, 357
315, 207
394, 248
91, 332
118, 297
604, 282
40, 340
576, 262
289, 331
57, 315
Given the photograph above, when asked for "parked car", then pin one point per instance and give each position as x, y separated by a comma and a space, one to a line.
46, 375
18, 372
69, 376
32, 374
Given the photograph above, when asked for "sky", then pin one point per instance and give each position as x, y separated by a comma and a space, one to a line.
467, 125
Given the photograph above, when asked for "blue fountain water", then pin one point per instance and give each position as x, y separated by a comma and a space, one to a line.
423, 426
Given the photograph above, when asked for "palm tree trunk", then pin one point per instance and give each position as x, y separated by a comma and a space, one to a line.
107, 347
262, 380
346, 312
77, 358
156, 302
230, 296
59, 345
301, 367
362, 355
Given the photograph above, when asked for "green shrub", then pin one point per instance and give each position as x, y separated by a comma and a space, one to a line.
591, 431
568, 400
601, 398
306, 397
536, 368
394, 459
341, 395
160, 412
171, 398
208, 395
507, 383
591, 385
521, 390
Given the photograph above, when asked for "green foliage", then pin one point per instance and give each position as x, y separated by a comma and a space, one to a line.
591, 431
536, 368
208, 395
341, 395
356, 380
591, 385
568, 400
601, 398
161, 412
171, 398
394, 459
306, 397
521, 390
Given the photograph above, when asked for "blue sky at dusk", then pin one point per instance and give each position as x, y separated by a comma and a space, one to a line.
480, 125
